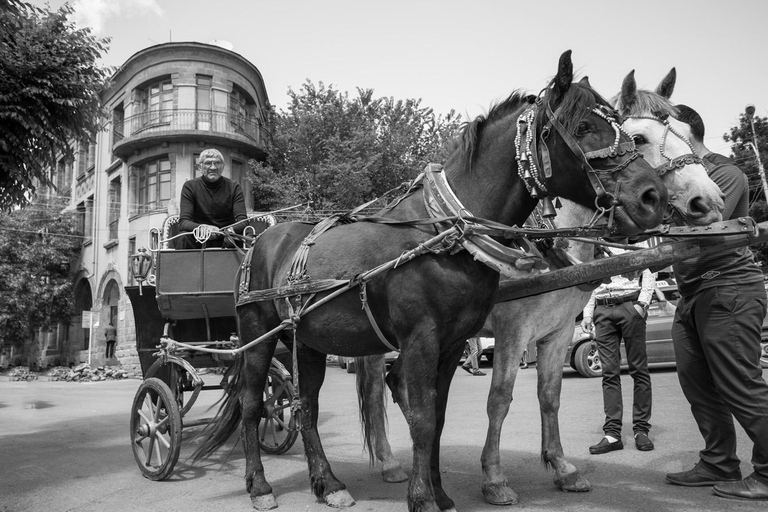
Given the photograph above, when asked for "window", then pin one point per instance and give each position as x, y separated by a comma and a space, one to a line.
156, 103
63, 178
131, 252
115, 189
238, 108
150, 185
85, 219
86, 158
203, 101
118, 124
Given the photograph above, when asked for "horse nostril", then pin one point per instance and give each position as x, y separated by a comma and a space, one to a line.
697, 207
651, 198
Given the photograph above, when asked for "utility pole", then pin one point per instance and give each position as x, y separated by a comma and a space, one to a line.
750, 111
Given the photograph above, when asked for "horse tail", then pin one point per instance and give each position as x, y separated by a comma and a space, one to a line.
371, 398
228, 417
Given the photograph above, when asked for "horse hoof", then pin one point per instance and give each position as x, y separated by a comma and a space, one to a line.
340, 499
499, 494
573, 482
264, 502
394, 474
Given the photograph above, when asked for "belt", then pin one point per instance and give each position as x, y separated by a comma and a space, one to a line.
614, 301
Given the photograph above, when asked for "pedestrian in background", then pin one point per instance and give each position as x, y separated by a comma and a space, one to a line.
475, 349
620, 309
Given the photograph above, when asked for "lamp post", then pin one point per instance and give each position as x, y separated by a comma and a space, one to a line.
750, 111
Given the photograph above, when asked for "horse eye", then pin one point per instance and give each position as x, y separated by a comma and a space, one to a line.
582, 129
639, 140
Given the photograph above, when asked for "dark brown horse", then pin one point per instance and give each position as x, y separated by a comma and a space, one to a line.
428, 306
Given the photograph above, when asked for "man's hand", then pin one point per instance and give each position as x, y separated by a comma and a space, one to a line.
586, 324
205, 232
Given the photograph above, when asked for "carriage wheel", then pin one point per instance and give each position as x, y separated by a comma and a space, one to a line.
275, 434
155, 429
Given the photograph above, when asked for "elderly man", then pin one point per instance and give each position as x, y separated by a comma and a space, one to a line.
210, 202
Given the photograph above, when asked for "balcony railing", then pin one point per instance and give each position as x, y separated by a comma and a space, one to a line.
180, 120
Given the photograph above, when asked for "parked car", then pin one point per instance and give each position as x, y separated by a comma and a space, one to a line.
582, 353
348, 363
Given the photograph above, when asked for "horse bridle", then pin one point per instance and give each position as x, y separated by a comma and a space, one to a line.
527, 154
673, 163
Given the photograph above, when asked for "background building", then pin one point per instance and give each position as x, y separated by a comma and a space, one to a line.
165, 104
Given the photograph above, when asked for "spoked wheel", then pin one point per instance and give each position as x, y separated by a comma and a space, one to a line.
275, 434
155, 429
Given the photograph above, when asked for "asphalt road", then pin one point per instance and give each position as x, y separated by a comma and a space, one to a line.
65, 447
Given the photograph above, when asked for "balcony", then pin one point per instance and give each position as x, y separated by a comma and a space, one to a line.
186, 125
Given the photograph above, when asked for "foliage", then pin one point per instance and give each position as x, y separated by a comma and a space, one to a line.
335, 152
37, 244
49, 94
742, 141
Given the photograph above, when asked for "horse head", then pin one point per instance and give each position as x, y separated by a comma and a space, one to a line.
666, 144
567, 143
587, 134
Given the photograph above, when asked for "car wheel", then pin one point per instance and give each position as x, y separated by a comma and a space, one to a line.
586, 360
764, 354
489, 357
342, 362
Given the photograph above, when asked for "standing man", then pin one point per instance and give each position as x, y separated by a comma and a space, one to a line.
210, 202
620, 309
110, 333
716, 335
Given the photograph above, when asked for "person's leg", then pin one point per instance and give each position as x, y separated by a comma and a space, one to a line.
608, 339
732, 340
471, 360
692, 318
633, 329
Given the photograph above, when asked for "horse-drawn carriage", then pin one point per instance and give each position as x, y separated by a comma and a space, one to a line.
190, 299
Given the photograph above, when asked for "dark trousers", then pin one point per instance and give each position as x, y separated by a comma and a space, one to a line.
612, 324
716, 335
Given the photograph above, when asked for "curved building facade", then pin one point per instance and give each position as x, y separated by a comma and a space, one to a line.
165, 104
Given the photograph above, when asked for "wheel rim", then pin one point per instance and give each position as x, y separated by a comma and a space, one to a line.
275, 434
593, 361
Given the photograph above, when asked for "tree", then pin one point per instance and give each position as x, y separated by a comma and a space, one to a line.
741, 139
37, 244
49, 94
336, 152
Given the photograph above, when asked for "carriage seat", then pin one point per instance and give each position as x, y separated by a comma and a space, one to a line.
259, 222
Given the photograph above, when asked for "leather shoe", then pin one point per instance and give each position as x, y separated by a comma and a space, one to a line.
605, 446
748, 489
698, 477
642, 442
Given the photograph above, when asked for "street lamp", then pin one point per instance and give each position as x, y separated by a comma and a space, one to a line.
750, 111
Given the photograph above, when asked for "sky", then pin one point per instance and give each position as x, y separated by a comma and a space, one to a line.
466, 55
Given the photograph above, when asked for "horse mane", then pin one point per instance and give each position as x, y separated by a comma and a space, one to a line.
466, 141
572, 112
644, 103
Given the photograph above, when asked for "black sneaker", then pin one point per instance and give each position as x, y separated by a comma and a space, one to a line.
466, 369
605, 446
477, 373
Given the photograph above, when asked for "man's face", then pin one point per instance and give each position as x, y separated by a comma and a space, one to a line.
212, 167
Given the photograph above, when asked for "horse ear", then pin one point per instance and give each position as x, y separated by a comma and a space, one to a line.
628, 93
564, 77
585, 81
667, 85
